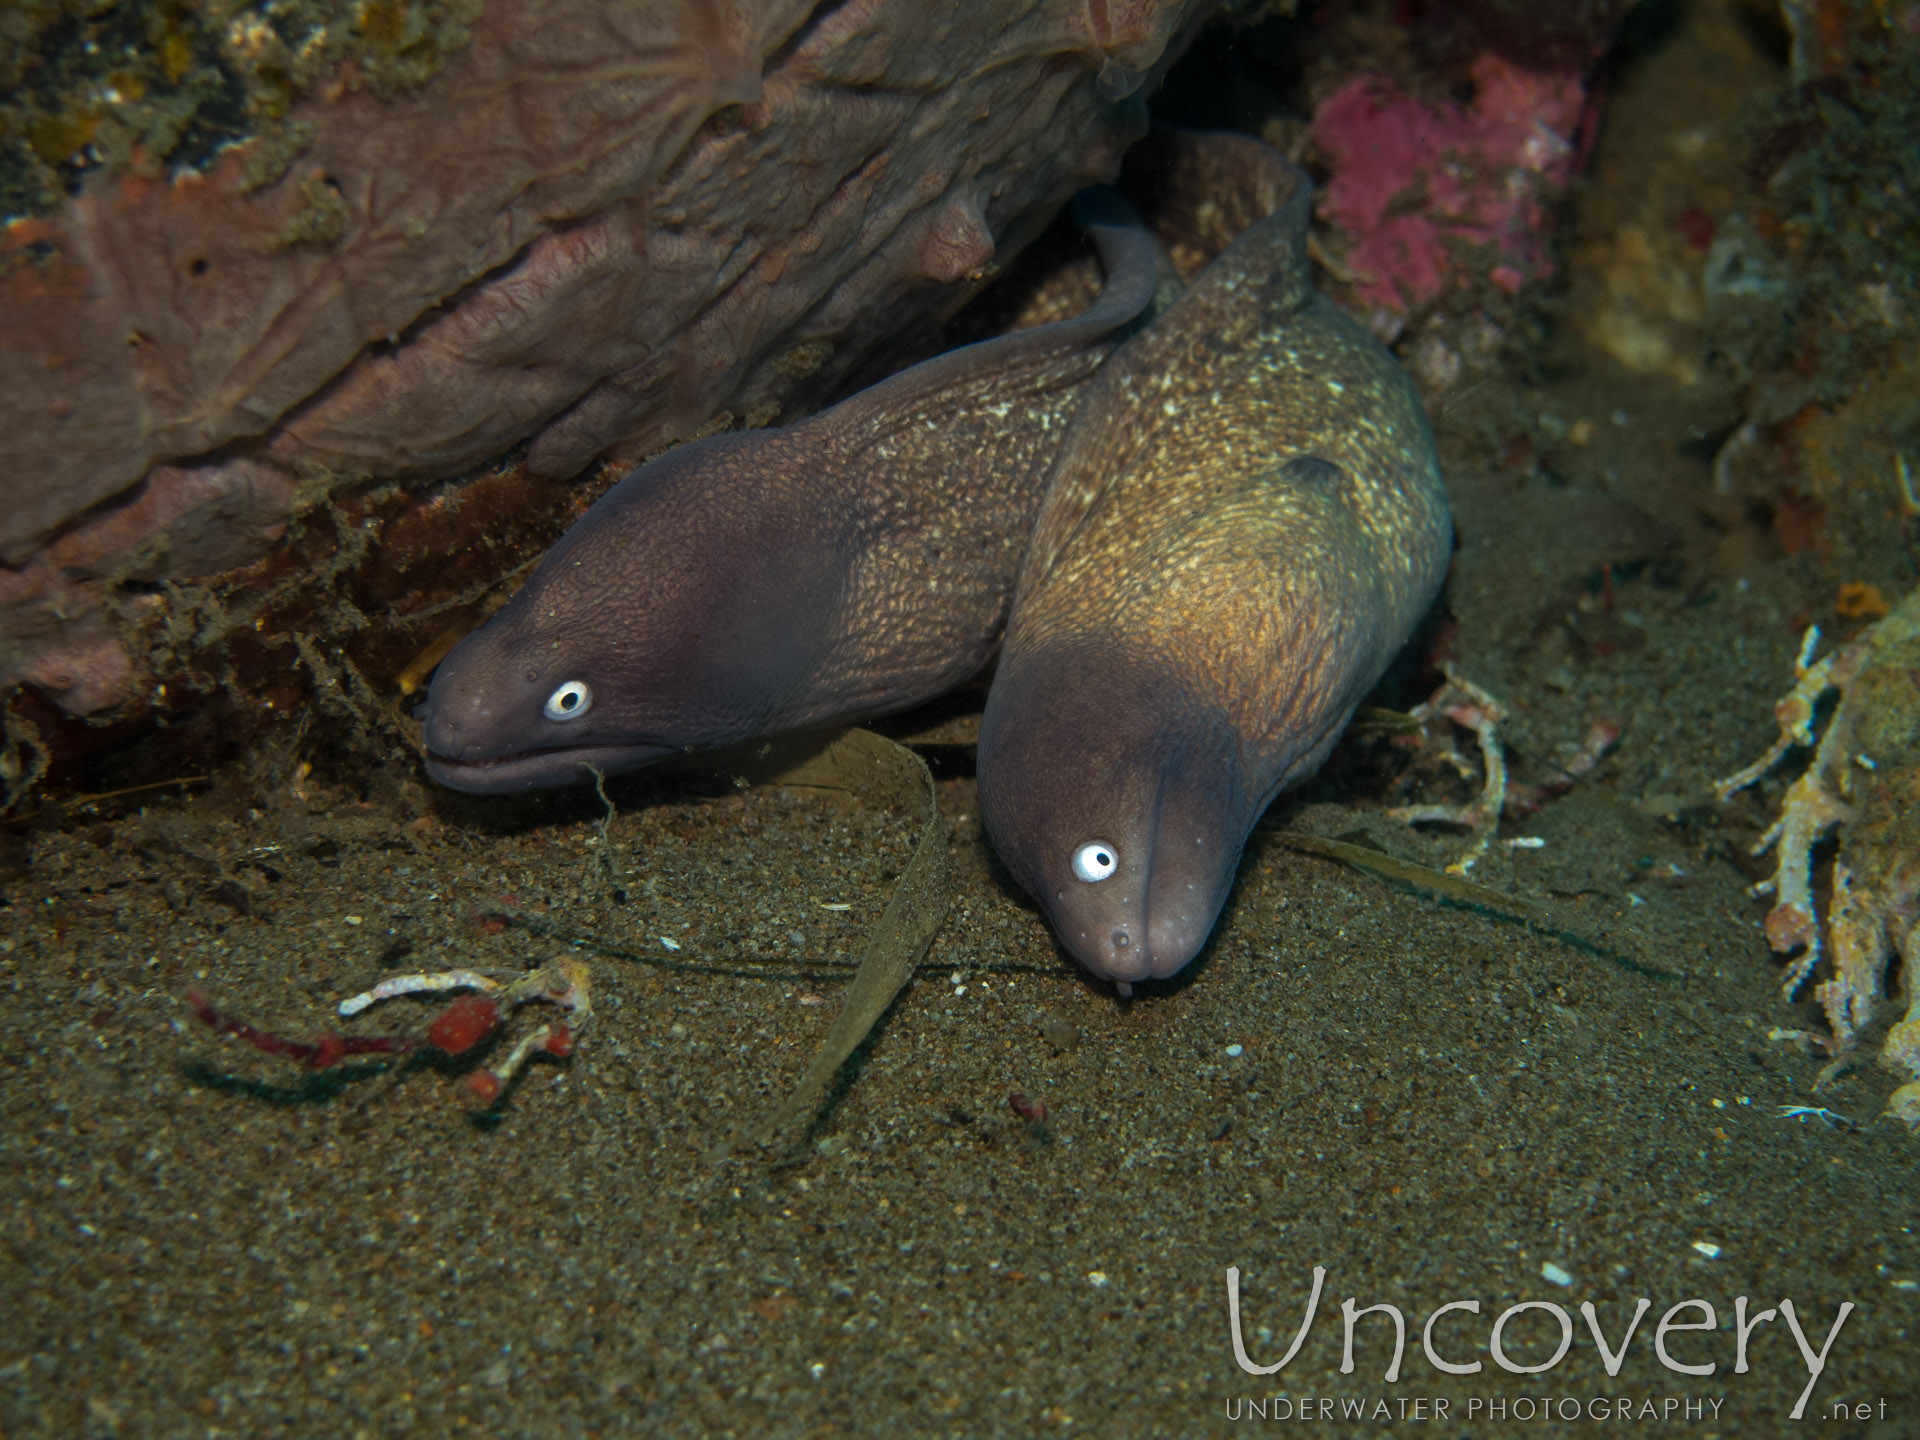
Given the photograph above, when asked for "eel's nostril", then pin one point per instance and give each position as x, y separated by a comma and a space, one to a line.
1121, 939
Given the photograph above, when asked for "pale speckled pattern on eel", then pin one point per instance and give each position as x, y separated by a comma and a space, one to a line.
1245, 524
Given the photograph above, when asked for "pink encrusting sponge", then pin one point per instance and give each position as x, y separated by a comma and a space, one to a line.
1481, 175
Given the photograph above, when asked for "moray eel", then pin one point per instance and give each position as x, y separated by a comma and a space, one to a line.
1245, 523
857, 562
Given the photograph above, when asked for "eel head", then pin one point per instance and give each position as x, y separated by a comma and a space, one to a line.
671, 617
1115, 797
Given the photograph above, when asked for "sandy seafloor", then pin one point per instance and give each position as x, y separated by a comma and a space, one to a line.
1431, 1101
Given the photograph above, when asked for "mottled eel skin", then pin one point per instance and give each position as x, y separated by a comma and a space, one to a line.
1246, 522
858, 562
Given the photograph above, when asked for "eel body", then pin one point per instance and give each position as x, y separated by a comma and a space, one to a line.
857, 562
1245, 523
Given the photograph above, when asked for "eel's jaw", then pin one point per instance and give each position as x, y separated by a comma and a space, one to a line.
1107, 944
540, 769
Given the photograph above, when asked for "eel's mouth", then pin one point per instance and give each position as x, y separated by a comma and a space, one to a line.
548, 768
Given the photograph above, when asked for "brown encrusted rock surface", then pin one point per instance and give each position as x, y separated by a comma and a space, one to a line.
600, 226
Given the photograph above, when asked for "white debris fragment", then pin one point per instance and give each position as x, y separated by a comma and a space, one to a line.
416, 984
1466, 705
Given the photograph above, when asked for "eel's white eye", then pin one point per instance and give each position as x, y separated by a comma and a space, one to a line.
570, 701
1095, 861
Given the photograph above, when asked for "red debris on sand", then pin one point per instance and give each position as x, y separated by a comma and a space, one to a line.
1034, 1112
464, 1024
329, 1049
316, 1054
467, 1020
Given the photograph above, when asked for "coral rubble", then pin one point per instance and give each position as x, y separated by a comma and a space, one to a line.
1864, 778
